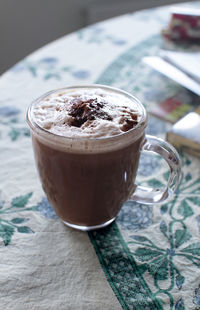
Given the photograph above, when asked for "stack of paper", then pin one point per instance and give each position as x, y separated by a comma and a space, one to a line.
188, 62
185, 134
184, 69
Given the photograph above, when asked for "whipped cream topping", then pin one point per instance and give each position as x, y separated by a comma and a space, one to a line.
86, 113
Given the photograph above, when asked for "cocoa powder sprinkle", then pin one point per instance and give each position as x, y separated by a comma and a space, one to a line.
83, 111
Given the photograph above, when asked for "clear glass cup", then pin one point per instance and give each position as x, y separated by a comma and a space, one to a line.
87, 180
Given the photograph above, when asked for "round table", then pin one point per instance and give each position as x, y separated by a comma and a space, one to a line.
149, 258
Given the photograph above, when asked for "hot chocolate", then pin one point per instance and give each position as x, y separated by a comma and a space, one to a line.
87, 189
87, 142
86, 171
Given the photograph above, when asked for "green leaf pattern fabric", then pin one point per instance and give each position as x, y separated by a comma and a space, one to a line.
150, 255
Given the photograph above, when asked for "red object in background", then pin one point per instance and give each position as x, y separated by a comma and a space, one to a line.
184, 25
170, 104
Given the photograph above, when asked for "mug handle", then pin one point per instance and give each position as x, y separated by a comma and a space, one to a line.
148, 195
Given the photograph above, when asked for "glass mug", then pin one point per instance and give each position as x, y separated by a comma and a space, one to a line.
87, 180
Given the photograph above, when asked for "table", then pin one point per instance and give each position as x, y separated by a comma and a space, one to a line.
149, 258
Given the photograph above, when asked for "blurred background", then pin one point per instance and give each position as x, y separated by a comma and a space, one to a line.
27, 25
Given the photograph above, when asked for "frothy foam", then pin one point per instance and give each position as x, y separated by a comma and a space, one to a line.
86, 113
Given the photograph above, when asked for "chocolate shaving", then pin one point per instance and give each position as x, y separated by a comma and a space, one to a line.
129, 124
83, 111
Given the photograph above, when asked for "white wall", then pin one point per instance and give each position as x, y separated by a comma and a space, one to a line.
26, 25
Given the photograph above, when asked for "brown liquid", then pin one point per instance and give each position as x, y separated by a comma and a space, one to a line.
87, 189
